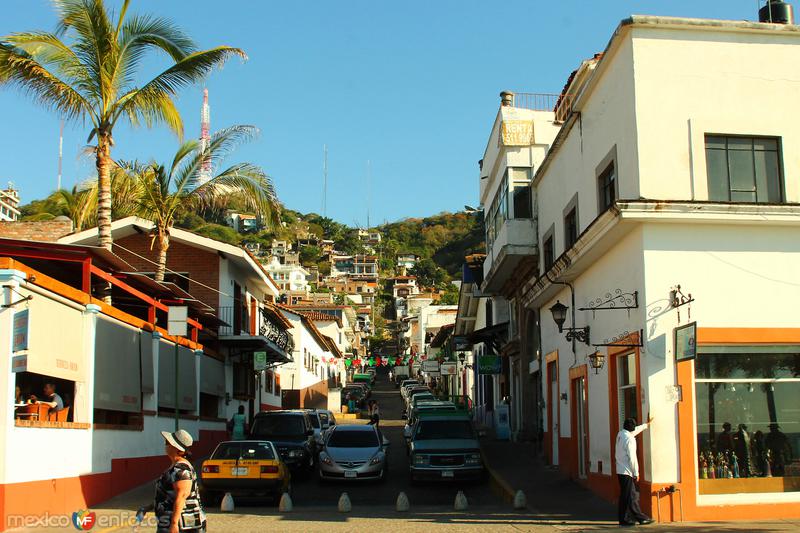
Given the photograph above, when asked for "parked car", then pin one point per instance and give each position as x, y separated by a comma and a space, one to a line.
316, 423
292, 433
326, 418
367, 379
244, 467
405, 383
356, 392
444, 446
413, 392
354, 452
364, 387
421, 397
424, 407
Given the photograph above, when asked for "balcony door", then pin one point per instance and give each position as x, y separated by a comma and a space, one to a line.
237, 309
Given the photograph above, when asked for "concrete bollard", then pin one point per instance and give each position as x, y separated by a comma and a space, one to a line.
344, 503
402, 503
227, 503
461, 503
520, 501
285, 506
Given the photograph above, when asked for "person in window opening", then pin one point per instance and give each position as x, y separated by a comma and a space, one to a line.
725, 439
627, 463
177, 504
779, 448
50, 397
238, 425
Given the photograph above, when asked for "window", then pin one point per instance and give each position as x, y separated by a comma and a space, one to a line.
626, 383
743, 169
607, 188
243, 382
748, 424
570, 228
520, 180
548, 252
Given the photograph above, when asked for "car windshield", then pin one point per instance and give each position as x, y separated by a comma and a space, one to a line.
353, 439
244, 450
444, 429
323, 417
353, 391
314, 420
278, 426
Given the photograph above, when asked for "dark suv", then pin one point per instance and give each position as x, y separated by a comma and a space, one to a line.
292, 434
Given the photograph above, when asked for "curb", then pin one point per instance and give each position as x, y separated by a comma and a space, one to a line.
499, 486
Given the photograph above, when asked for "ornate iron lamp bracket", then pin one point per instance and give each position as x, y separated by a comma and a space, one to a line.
616, 344
613, 301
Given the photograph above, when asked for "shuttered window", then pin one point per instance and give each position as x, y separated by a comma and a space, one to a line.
117, 385
187, 382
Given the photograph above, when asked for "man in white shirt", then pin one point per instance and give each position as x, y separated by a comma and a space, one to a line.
628, 474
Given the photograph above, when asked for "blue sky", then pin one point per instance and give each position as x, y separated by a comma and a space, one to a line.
412, 86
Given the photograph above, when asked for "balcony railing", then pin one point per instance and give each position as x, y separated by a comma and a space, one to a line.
239, 323
561, 105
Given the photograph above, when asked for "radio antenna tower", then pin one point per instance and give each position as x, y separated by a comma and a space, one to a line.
325, 181
60, 152
205, 142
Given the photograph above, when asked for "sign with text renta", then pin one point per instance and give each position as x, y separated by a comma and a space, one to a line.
517, 132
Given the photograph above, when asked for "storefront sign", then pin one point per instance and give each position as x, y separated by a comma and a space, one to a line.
176, 320
259, 361
19, 363
430, 366
517, 132
20, 331
461, 344
449, 369
489, 364
686, 342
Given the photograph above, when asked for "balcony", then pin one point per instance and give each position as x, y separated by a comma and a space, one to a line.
259, 331
515, 243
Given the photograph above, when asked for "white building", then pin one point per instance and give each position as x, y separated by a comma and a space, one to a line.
9, 205
673, 166
289, 278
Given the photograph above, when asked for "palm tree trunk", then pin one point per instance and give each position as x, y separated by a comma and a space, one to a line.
162, 243
104, 163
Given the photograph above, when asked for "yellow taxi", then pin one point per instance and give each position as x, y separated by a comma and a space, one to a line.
246, 468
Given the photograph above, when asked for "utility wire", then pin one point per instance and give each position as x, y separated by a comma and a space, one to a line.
173, 272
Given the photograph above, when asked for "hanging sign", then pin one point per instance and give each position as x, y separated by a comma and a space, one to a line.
176, 320
449, 369
430, 366
489, 364
20, 331
686, 342
259, 361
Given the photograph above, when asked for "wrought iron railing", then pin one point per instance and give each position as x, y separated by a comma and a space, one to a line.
271, 330
238, 320
560, 104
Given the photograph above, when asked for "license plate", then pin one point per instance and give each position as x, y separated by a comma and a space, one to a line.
239, 471
447, 473
350, 474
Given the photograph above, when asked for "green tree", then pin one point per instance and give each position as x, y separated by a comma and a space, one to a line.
91, 74
428, 273
164, 192
309, 255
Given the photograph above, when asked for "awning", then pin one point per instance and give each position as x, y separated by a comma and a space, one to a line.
212, 376
146, 351
495, 336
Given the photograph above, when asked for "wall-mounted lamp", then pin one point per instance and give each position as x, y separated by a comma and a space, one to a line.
564, 397
559, 312
227, 398
597, 360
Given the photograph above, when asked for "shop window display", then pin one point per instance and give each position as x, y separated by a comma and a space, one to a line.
748, 421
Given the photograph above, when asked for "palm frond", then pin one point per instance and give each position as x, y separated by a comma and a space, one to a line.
150, 107
246, 180
19, 68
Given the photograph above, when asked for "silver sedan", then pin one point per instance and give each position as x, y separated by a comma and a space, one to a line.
354, 452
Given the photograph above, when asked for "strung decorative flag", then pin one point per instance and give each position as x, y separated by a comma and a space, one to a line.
348, 362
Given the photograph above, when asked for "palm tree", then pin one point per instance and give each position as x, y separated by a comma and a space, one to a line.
164, 193
91, 75
79, 204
